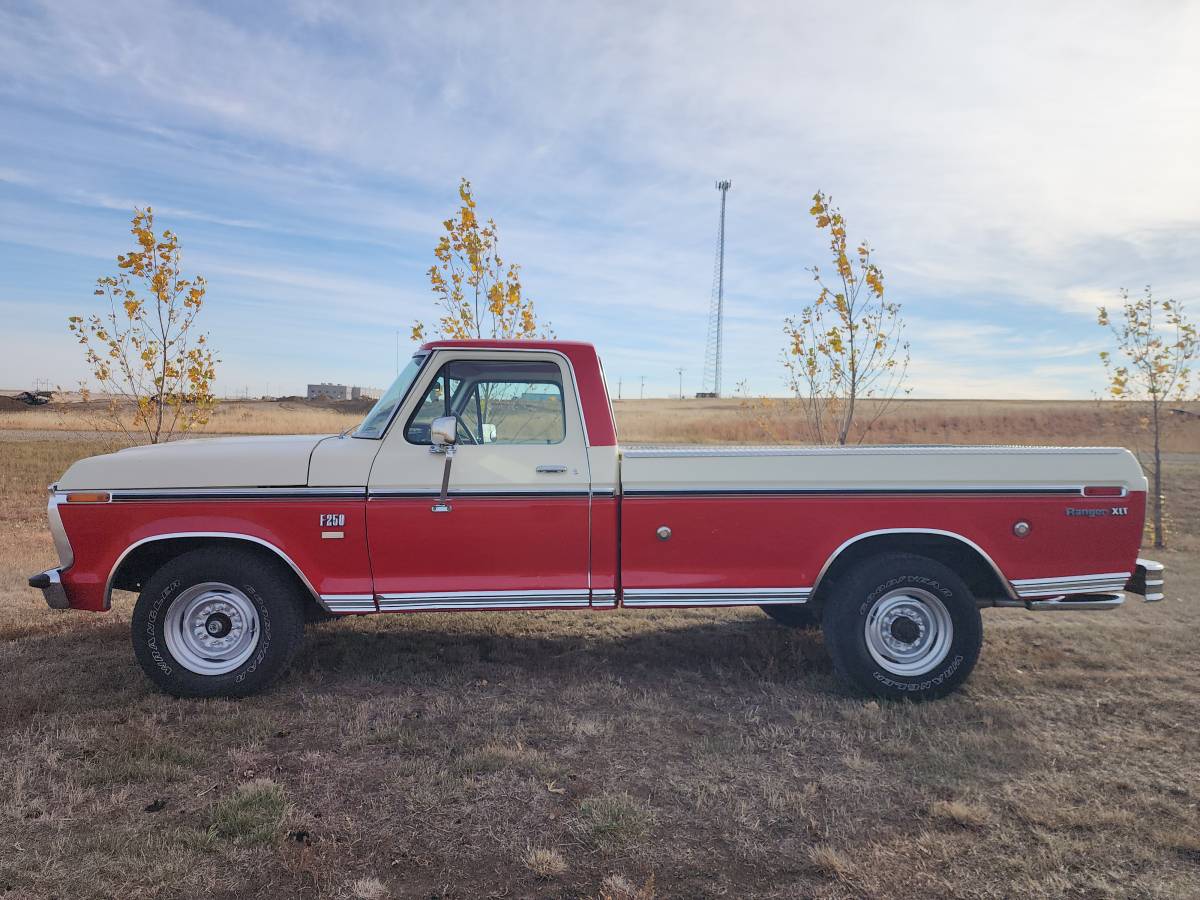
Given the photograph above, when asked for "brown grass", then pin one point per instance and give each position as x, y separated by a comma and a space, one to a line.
681, 753
229, 417
719, 421
1076, 422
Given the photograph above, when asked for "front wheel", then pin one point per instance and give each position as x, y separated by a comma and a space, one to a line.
215, 623
903, 627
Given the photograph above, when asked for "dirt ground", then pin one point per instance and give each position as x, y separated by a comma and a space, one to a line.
679, 753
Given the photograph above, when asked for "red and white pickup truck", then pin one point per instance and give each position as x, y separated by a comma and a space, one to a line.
489, 477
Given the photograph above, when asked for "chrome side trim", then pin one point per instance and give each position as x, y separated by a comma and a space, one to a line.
499, 494
1108, 582
348, 603
858, 489
62, 544
1091, 601
1008, 587
238, 493
447, 600
108, 587
606, 599
714, 596
652, 451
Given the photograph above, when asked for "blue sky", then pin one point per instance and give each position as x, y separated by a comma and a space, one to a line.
1012, 164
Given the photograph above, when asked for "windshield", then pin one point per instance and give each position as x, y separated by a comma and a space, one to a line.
381, 413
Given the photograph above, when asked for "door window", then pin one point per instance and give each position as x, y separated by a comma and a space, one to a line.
495, 403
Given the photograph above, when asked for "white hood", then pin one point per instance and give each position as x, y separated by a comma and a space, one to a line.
274, 461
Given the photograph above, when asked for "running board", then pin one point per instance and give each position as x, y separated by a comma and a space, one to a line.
1079, 601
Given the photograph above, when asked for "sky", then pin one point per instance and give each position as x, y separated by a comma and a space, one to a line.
1013, 165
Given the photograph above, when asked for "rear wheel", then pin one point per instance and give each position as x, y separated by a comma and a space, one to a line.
211, 623
793, 615
903, 627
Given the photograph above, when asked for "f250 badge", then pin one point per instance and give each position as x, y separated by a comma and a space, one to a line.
1074, 513
333, 520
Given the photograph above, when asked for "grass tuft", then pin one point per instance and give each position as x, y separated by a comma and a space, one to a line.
545, 862
368, 889
618, 887
965, 815
614, 821
831, 863
252, 814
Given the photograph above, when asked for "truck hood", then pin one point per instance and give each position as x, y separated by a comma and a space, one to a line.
274, 461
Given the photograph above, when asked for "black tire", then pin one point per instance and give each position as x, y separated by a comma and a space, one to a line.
272, 623
793, 615
867, 598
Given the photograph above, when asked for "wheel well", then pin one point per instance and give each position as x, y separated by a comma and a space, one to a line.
966, 561
140, 564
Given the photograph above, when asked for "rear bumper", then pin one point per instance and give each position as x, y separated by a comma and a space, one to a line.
51, 586
1147, 580
1089, 591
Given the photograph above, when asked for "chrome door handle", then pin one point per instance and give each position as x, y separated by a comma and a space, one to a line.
557, 470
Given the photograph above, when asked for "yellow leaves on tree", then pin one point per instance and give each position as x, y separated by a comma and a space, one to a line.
847, 345
145, 351
478, 295
1156, 344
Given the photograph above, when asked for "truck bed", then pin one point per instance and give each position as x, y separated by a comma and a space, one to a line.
875, 469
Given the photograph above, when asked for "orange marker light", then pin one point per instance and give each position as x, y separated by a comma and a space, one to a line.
88, 497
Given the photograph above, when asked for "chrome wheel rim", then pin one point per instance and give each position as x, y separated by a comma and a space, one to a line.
909, 631
211, 628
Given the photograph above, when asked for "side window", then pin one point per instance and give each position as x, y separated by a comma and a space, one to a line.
437, 402
495, 402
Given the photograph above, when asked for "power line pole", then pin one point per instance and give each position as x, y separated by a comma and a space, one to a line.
618, 388
642, 395
680, 371
716, 311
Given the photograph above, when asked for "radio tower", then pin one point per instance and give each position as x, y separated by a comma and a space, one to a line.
716, 310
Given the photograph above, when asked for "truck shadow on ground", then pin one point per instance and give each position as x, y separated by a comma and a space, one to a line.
745, 649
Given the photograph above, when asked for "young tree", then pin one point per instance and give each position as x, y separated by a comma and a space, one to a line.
848, 345
145, 351
477, 295
1156, 344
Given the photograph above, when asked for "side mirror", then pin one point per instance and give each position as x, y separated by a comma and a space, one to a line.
443, 432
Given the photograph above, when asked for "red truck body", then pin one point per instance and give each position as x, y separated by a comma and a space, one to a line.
647, 527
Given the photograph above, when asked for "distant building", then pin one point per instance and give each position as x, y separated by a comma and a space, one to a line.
326, 391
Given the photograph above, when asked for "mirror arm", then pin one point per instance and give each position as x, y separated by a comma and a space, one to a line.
443, 503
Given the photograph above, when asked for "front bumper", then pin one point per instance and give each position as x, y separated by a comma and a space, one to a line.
1147, 580
51, 586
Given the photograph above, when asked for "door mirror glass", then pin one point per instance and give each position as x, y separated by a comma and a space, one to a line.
443, 431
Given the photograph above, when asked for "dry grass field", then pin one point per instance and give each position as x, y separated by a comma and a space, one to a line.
726, 420
619, 755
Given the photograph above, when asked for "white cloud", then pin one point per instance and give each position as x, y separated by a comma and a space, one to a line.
1012, 165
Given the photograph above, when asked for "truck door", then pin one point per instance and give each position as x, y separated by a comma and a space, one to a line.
514, 532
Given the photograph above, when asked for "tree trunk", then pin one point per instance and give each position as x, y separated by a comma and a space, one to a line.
1158, 494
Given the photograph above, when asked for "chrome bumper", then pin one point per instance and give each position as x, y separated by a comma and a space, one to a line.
1147, 580
50, 584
